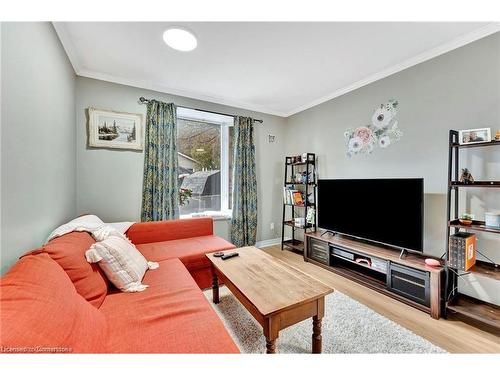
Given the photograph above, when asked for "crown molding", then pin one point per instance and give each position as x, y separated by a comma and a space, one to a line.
458, 42
168, 90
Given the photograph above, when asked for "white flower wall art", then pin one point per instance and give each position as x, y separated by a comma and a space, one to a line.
383, 131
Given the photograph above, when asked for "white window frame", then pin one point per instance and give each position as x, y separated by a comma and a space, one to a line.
224, 167
225, 122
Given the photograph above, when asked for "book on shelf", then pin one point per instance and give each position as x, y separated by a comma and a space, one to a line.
297, 198
292, 196
287, 199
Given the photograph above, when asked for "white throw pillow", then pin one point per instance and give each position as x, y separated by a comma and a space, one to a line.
122, 263
105, 231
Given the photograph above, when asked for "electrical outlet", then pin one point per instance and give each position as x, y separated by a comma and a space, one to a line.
271, 227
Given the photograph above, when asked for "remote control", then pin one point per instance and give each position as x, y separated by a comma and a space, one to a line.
230, 255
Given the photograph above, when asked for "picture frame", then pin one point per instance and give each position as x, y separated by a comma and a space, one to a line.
115, 130
469, 136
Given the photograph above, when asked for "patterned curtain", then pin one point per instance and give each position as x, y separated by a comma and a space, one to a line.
244, 220
160, 190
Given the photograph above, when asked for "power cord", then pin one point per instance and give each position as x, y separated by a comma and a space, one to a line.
480, 253
458, 275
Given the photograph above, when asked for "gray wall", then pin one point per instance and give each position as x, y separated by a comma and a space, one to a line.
49, 175
458, 90
101, 171
38, 137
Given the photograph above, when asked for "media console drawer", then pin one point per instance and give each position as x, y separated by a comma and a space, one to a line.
410, 283
318, 250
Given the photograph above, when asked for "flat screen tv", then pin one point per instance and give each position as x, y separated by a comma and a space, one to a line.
386, 211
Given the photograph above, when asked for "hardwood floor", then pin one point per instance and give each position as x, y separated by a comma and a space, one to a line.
452, 335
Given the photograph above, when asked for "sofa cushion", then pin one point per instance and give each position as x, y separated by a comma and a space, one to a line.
191, 251
171, 316
69, 251
40, 308
168, 230
122, 263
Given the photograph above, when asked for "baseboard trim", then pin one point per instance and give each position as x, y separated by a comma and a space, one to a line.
271, 242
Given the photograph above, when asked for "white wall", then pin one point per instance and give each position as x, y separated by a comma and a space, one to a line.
109, 182
458, 90
37, 137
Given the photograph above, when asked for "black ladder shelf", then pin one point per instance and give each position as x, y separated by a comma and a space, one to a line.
308, 188
460, 305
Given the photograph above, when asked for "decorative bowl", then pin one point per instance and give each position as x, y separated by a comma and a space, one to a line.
432, 262
466, 222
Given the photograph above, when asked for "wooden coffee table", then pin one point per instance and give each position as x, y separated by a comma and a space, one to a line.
276, 294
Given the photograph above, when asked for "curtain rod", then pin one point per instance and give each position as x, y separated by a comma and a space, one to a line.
143, 100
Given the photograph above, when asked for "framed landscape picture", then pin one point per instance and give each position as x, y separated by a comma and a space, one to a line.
111, 129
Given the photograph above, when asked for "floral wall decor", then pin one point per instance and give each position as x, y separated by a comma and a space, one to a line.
382, 131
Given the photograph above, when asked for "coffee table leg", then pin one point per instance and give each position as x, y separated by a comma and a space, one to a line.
316, 336
271, 332
270, 346
215, 287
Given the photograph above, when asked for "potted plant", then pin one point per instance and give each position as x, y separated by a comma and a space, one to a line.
466, 219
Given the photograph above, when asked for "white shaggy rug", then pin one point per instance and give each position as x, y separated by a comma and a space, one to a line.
348, 327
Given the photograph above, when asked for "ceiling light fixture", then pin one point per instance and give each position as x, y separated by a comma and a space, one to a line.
180, 39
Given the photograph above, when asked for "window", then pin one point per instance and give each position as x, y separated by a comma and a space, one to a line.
204, 145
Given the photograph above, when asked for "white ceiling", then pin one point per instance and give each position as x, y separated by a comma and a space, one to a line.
276, 68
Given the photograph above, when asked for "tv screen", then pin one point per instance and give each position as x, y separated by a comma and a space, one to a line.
388, 211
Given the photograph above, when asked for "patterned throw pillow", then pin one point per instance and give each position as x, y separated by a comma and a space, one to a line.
122, 263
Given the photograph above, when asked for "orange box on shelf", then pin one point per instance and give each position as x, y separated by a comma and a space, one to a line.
462, 251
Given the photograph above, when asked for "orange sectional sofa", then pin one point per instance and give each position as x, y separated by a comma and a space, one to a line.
53, 300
